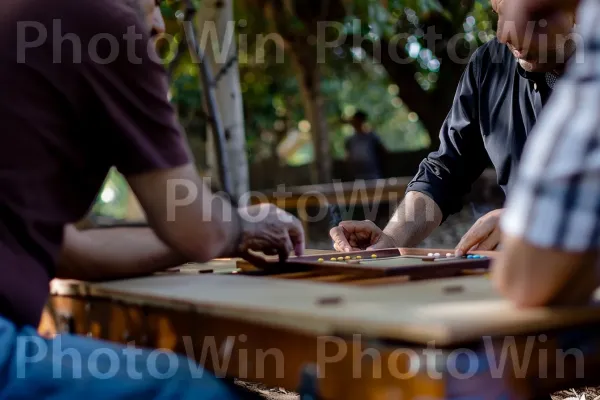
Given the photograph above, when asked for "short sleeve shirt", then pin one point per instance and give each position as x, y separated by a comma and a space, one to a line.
82, 90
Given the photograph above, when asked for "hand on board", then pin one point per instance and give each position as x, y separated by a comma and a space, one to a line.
360, 235
268, 229
484, 234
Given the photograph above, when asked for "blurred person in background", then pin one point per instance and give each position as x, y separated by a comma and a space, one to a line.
365, 153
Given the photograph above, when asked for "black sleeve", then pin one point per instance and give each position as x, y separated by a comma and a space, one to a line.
447, 174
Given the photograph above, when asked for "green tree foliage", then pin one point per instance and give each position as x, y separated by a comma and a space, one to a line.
423, 45
350, 79
112, 199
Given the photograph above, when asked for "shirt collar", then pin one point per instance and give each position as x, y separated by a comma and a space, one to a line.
551, 79
535, 77
547, 79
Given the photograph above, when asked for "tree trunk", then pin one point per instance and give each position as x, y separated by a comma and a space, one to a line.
216, 35
304, 57
312, 99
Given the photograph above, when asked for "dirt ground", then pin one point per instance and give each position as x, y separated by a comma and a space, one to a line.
587, 393
268, 393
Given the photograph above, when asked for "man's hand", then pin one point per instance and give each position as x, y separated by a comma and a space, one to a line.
484, 234
360, 235
268, 229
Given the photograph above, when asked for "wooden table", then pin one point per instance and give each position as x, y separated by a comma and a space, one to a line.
447, 338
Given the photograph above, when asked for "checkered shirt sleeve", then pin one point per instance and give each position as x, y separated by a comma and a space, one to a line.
556, 200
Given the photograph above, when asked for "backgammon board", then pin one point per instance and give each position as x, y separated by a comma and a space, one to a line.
412, 263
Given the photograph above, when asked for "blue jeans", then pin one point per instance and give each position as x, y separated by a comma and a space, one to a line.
73, 367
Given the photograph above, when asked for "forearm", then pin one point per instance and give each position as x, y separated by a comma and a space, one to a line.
209, 228
186, 215
531, 276
414, 220
115, 253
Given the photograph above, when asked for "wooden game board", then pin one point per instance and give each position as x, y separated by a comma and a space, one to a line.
415, 263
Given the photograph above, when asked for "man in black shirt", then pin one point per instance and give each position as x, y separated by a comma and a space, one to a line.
498, 101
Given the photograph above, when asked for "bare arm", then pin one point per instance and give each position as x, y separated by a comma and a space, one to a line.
531, 276
414, 220
416, 217
187, 225
115, 253
186, 215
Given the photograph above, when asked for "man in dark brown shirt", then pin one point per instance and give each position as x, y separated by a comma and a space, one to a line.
82, 91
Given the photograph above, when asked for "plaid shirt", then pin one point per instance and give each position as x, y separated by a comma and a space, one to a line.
556, 200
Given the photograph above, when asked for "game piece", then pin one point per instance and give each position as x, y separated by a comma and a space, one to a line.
429, 254
333, 259
437, 255
347, 257
373, 255
358, 257
320, 260
340, 258
449, 254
